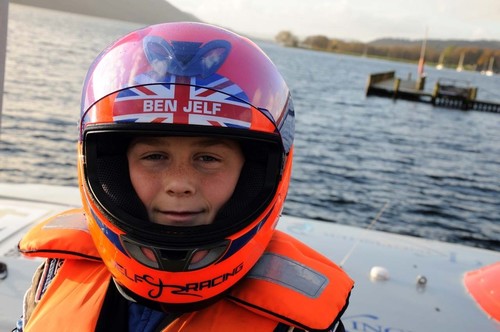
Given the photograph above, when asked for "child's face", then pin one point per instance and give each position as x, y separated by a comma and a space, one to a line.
184, 181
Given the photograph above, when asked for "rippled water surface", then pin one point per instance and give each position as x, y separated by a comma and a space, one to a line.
436, 170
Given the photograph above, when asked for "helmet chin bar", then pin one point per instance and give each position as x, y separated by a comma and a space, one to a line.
174, 259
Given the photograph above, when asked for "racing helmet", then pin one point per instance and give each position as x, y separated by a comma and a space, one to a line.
183, 79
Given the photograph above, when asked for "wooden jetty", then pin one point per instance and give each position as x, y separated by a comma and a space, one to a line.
446, 93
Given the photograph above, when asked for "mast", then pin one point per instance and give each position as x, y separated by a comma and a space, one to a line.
460, 66
440, 64
4, 16
421, 61
489, 72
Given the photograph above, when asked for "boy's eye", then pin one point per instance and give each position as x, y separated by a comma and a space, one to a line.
154, 156
207, 158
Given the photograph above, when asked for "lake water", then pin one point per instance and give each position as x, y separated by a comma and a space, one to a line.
436, 170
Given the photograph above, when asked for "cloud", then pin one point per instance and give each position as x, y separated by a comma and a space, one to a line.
362, 20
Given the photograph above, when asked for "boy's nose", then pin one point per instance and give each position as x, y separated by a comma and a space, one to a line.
179, 181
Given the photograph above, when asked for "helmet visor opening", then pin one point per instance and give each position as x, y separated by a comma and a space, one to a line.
107, 175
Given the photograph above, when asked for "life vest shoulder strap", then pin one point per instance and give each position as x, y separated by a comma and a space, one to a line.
62, 236
73, 297
295, 285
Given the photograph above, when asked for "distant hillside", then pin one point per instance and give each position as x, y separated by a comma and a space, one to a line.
137, 11
437, 44
479, 55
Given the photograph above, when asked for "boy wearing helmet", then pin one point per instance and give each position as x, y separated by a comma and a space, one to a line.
185, 154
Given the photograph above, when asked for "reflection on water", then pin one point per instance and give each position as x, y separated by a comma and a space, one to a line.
438, 169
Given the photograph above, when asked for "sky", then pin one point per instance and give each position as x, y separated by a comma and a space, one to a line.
360, 20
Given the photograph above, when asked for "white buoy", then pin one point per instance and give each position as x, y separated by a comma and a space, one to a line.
379, 273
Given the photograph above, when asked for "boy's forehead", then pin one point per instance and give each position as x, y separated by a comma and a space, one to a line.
195, 140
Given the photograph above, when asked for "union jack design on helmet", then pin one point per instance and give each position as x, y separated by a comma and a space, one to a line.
211, 101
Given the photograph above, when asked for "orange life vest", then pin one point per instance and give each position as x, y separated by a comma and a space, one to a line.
291, 284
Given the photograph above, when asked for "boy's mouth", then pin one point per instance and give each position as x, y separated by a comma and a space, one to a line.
178, 218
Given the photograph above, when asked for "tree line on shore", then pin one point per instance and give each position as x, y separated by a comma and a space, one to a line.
449, 53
